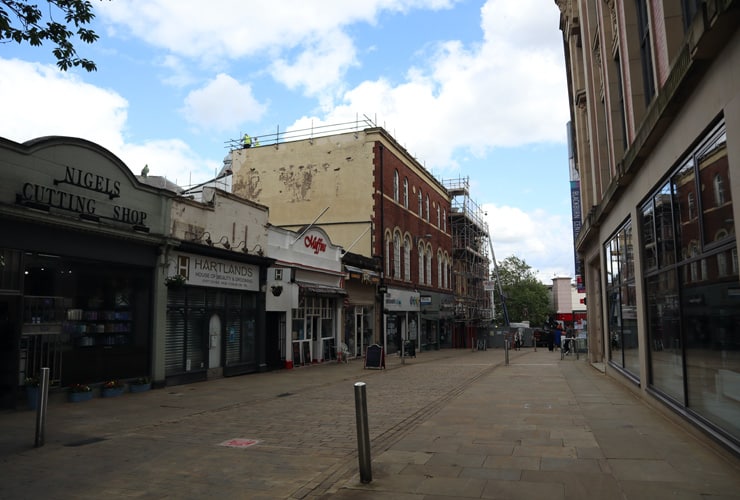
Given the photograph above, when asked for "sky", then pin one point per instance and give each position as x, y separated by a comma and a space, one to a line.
475, 90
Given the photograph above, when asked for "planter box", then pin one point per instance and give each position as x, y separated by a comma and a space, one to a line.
111, 392
140, 387
76, 397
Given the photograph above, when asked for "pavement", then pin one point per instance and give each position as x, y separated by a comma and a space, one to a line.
447, 424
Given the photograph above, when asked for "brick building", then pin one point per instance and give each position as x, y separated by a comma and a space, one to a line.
375, 200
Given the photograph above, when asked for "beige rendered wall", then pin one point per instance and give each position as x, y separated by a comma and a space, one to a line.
298, 180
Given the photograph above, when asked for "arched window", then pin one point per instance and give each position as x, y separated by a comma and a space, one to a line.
395, 186
388, 255
427, 208
397, 256
429, 267
421, 263
420, 214
719, 190
439, 271
405, 193
439, 216
444, 220
407, 258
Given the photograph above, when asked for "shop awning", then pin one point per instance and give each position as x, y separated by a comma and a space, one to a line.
323, 290
366, 275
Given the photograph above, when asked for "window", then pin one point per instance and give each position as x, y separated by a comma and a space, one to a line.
621, 295
620, 96
646, 56
407, 258
439, 217
444, 220
397, 256
691, 315
388, 254
395, 186
420, 214
719, 190
405, 193
421, 262
690, 9
426, 207
439, 271
428, 280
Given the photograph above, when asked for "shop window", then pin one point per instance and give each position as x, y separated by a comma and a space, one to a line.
621, 295
691, 301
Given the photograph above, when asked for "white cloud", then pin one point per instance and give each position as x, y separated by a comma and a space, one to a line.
170, 158
318, 68
498, 93
222, 104
306, 33
542, 239
44, 101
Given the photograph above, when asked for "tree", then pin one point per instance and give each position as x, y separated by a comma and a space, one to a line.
526, 297
22, 21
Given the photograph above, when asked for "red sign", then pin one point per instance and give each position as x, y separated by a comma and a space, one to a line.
316, 243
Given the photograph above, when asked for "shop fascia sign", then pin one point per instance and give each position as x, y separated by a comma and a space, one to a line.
401, 300
216, 273
314, 242
90, 207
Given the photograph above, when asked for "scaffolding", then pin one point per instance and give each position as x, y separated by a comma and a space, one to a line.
471, 267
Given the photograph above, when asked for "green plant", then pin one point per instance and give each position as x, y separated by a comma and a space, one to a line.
175, 280
32, 382
79, 388
113, 384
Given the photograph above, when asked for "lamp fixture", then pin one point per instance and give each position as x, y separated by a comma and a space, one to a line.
207, 239
225, 242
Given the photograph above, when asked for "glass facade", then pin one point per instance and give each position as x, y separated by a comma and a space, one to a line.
313, 329
622, 301
692, 288
358, 328
87, 321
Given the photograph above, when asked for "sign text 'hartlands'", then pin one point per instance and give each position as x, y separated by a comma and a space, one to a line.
316, 243
56, 198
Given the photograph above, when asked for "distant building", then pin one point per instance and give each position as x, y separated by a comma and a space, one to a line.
655, 113
372, 198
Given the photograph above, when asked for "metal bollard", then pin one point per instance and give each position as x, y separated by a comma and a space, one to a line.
506, 351
363, 433
41, 407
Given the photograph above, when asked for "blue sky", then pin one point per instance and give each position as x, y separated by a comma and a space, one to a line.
473, 89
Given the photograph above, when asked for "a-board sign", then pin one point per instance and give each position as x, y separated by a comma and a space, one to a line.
374, 357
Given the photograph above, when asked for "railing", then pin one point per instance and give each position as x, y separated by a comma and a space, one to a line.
277, 137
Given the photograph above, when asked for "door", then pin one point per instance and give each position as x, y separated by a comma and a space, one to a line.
9, 339
214, 341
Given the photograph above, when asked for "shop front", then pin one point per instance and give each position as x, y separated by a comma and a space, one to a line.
437, 312
361, 281
305, 296
401, 317
78, 254
215, 315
